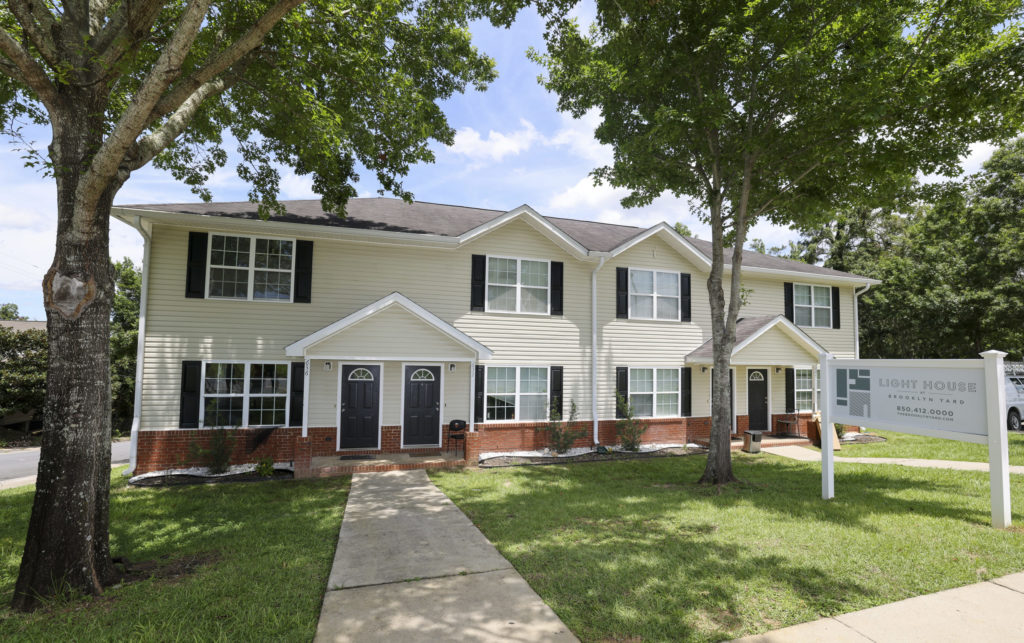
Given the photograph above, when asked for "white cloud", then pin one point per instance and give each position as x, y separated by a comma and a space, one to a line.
497, 145
977, 154
578, 135
294, 186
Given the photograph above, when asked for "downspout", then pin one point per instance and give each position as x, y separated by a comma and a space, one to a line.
140, 349
593, 346
856, 320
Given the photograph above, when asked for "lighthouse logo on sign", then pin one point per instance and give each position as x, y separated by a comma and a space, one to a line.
853, 390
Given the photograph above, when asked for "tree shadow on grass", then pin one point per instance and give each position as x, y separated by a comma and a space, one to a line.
274, 543
638, 549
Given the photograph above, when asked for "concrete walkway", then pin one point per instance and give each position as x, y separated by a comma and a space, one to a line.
989, 611
807, 455
410, 566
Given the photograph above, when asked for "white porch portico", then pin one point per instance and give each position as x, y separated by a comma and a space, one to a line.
389, 376
774, 371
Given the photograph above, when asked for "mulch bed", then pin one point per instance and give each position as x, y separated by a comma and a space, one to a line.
174, 480
517, 461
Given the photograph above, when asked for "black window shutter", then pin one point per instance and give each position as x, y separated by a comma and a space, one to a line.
788, 296
622, 293
835, 306
476, 298
790, 390
195, 272
556, 390
298, 388
684, 297
686, 390
621, 388
557, 268
191, 379
303, 272
478, 401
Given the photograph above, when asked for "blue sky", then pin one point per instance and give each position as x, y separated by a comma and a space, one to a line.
512, 147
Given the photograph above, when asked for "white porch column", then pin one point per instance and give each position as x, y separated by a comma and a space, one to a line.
472, 396
305, 399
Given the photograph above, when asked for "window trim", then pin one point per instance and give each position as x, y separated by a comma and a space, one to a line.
252, 268
517, 367
245, 394
654, 295
518, 286
813, 307
654, 392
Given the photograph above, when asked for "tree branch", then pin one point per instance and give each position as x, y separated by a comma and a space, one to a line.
124, 33
134, 119
225, 59
38, 24
786, 188
158, 140
24, 69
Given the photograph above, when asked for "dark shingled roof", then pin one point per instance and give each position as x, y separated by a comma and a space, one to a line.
23, 325
745, 328
418, 217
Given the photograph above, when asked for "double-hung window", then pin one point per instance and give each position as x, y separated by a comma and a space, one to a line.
251, 268
516, 393
654, 392
812, 305
653, 294
245, 394
803, 387
518, 285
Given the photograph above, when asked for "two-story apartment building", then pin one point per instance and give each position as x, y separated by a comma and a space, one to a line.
310, 334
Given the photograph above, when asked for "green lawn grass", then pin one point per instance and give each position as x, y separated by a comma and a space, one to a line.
635, 550
272, 545
904, 445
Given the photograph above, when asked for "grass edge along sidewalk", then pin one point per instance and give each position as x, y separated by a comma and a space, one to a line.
906, 445
225, 562
636, 549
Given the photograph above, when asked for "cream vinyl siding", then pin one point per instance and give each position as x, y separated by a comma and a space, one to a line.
647, 342
346, 277
393, 333
349, 275
775, 346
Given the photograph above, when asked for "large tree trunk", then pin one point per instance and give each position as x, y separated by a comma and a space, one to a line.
67, 546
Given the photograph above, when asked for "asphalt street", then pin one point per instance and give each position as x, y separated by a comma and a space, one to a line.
24, 462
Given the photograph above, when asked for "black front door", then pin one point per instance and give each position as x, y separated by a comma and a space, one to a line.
421, 423
360, 406
757, 399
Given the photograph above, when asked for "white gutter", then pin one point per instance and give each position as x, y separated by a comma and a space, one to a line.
140, 350
593, 346
856, 320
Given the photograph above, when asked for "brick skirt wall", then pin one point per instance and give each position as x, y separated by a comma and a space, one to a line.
163, 450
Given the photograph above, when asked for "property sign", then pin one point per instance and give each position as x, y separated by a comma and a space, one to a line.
961, 400
928, 397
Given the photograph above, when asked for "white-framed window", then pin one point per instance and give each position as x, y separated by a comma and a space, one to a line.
245, 394
250, 268
653, 294
812, 305
806, 387
516, 393
654, 392
518, 285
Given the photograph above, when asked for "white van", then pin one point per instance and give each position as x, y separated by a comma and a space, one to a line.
1014, 400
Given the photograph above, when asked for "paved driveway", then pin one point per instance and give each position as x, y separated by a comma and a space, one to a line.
20, 463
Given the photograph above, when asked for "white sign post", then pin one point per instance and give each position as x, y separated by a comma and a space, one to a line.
953, 399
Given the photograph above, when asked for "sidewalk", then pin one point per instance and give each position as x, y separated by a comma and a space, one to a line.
989, 611
410, 566
807, 455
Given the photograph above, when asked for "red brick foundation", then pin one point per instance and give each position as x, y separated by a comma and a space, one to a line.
162, 450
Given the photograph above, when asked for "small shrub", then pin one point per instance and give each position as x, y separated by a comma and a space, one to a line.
217, 456
562, 434
840, 430
630, 430
265, 467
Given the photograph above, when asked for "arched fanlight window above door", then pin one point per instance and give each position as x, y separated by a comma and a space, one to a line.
756, 376
361, 374
422, 375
